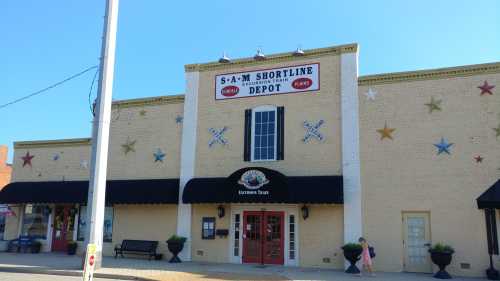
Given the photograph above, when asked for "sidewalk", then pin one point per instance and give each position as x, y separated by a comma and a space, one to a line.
140, 269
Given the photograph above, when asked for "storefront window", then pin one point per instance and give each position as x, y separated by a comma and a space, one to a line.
35, 221
108, 224
208, 228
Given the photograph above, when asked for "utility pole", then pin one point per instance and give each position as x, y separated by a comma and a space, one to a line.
100, 134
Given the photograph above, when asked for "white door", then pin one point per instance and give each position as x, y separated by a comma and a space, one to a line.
416, 242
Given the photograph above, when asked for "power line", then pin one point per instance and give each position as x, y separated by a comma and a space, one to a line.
49, 87
91, 104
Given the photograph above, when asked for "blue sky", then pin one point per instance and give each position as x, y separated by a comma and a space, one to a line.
43, 42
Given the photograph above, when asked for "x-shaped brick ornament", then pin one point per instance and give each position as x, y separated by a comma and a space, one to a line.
312, 131
217, 136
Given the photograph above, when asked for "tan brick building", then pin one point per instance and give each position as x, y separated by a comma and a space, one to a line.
5, 169
282, 160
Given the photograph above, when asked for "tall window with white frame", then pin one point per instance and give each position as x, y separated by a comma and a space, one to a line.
264, 132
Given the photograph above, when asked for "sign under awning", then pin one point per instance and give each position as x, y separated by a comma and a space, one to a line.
262, 185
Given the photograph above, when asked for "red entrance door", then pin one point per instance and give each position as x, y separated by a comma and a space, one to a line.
263, 237
64, 224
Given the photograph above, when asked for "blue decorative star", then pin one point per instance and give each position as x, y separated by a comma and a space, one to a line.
159, 155
443, 146
178, 119
56, 157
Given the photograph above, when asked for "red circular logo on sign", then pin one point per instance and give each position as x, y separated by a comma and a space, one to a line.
91, 260
230, 91
302, 83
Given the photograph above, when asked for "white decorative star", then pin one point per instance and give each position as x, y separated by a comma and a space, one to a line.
370, 95
84, 164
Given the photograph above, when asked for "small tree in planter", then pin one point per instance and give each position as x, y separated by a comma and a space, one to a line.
352, 253
72, 245
441, 255
175, 244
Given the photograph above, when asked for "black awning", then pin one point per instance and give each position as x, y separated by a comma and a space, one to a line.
490, 199
151, 191
261, 185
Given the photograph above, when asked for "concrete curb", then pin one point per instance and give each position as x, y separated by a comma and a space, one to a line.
71, 273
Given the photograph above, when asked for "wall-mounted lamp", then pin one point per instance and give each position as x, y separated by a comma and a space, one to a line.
305, 212
221, 211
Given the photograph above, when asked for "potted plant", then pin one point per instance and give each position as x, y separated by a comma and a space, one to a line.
441, 255
352, 253
175, 244
71, 249
35, 247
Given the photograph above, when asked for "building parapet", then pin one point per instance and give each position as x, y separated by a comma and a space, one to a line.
430, 74
149, 101
53, 143
274, 58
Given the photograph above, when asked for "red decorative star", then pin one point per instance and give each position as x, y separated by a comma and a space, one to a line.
478, 159
486, 89
27, 159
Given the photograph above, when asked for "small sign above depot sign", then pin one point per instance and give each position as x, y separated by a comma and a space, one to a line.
264, 82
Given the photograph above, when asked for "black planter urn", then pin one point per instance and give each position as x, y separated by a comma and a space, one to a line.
442, 260
175, 247
35, 248
353, 256
71, 250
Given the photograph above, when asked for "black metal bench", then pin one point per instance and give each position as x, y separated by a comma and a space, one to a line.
144, 247
24, 244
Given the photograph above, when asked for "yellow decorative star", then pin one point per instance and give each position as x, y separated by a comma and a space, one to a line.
497, 130
434, 105
386, 132
128, 146
142, 112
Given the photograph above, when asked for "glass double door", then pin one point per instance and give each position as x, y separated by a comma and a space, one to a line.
263, 237
64, 227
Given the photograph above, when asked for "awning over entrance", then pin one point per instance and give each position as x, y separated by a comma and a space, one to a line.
151, 191
261, 185
490, 198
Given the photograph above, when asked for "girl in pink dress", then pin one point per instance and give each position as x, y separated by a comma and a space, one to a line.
365, 256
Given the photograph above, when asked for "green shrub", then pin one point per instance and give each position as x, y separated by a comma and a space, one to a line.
442, 248
352, 247
176, 239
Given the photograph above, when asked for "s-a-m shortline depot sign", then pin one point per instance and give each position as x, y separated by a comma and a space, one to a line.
264, 82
